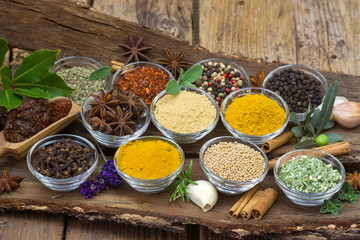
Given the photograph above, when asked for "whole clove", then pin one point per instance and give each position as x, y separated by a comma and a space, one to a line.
63, 159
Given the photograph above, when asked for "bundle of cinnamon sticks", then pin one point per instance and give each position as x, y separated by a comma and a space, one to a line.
254, 203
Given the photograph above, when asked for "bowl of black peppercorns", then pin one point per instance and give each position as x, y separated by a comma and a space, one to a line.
220, 77
298, 85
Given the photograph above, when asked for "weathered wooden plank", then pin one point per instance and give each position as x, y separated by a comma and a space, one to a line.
172, 17
259, 29
31, 225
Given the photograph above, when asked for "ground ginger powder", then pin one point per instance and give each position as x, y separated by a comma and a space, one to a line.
255, 114
186, 112
151, 159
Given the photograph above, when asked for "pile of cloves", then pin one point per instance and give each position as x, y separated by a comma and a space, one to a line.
63, 159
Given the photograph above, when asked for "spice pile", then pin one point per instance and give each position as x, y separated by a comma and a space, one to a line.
78, 77
219, 79
33, 116
297, 88
186, 112
255, 114
151, 159
63, 159
145, 82
234, 161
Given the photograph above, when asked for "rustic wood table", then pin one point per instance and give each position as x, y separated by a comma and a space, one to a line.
322, 34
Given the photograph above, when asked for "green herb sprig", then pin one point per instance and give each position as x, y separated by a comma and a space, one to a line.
315, 121
32, 78
346, 193
180, 184
185, 79
100, 73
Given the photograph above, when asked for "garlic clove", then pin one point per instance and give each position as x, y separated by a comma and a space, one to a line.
347, 114
204, 194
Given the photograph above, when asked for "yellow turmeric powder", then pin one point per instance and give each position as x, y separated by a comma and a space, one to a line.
151, 159
255, 114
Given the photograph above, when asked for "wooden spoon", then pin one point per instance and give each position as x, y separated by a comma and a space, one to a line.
19, 150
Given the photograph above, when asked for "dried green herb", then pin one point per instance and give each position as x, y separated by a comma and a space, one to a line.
185, 79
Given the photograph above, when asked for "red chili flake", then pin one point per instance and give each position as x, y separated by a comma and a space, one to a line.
145, 82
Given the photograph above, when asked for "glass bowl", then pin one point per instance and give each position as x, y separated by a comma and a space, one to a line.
85, 89
114, 141
224, 185
184, 137
131, 66
307, 70
66, 184
257, 139
309, 199
154, 185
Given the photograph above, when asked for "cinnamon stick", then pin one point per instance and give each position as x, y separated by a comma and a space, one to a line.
240, 204
247, 211
115, 65
335, 149
277, 142
266, 200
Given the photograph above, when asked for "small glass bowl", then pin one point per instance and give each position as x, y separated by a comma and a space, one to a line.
114, 141
184, 137
307, 70
257, 139
66, 184
309, 199
81, 61
224, 185
154, 185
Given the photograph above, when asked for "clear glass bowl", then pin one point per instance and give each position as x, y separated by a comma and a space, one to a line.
66, 184
257, 139
309, 199
307, 70
80, 61
182, 137
224, 185
112, 140
154, 185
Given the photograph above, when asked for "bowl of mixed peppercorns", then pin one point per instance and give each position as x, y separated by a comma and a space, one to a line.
115, 117
298, 85
220, 77
63, 161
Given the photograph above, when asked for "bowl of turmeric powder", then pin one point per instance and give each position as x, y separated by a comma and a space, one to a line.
254, 114
149, 164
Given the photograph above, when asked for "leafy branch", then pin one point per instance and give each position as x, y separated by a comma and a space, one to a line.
185, 79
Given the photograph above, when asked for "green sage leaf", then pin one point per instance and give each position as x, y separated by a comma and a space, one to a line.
334, 137
33, 92
329, 124
186, 84
180, 76
192, 74
3, 50
35, 66
315, 118
326, 109
297, 131
172, 87
9, 99
294, 118
100, 73
308, 143
6, 77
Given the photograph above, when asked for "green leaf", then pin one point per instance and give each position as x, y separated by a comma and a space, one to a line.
100, 73
187, 84
329, 124
334, 137
346, 186
33, 92
9, 99
193, 73
310, 128
6, 77
172, 87
297, 131
294, 118
308, 112
35, 66
3, 50
315, 118
308, 143
326, 109
180, 76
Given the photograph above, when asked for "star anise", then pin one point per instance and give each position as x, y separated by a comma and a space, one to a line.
122, 125
9, 183
353, 179
257, 82
103, 102
174, 62
134, 50
100, 125
132, 103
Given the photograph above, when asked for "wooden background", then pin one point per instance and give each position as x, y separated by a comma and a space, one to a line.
322, 34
